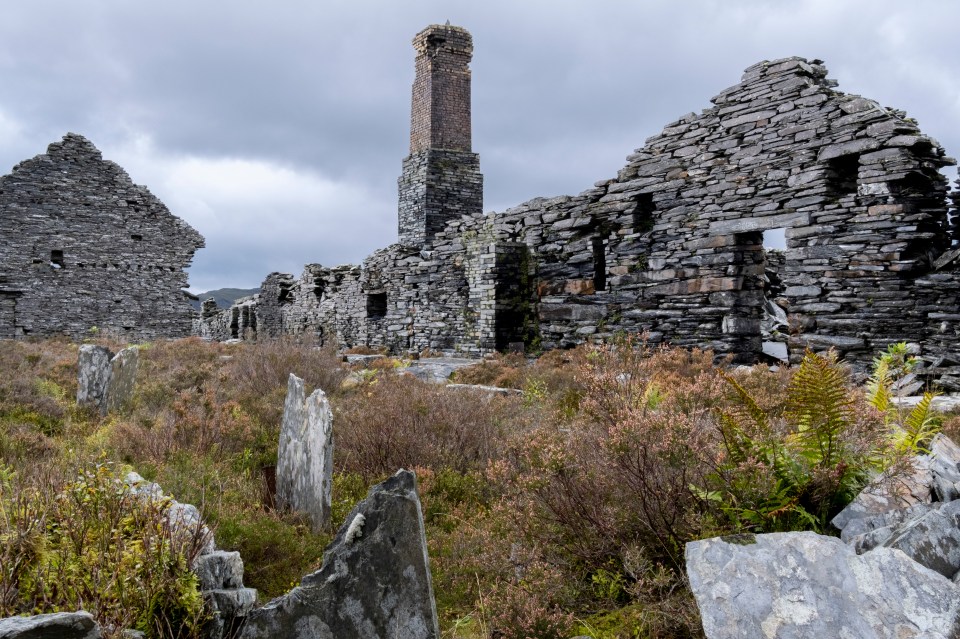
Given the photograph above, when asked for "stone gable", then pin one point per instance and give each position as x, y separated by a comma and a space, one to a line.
86, 248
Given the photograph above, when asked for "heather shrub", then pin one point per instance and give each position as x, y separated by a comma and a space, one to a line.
85, 541
258, 374
398, 421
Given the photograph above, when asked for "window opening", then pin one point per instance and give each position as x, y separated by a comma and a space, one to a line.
376, 305
643, 213
843, 173
56, 259
599, 265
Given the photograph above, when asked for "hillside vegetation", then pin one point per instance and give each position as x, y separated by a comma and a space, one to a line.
558, 511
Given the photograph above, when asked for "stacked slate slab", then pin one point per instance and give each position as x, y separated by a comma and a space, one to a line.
85, 249
673, 245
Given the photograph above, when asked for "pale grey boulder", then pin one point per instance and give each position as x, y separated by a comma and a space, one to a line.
305, 454
59, 625
802, 585
104, 380
93, 376
374, 582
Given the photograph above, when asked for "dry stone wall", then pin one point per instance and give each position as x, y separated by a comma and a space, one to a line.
84, 248
673, 246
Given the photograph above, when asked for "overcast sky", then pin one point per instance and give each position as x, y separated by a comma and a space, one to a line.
277, 129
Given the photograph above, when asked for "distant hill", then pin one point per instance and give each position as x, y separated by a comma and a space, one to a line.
224, 296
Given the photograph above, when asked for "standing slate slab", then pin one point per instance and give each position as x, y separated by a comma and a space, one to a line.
106, 380
375, 580
93, 376
123, 375
305, 454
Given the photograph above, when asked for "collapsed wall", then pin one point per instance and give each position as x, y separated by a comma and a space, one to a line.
85, 248
673, 245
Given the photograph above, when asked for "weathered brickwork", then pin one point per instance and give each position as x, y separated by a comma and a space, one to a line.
673, 245
83, 248
441, 177
440, 109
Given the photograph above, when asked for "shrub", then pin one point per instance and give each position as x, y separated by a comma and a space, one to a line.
91, 543
401, 422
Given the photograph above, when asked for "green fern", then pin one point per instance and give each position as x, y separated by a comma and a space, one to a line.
910, 434
820, 405
917, 429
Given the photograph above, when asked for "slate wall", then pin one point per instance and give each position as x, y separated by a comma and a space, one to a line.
83, 248
672, 246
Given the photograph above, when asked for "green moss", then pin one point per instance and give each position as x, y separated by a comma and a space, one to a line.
742, 539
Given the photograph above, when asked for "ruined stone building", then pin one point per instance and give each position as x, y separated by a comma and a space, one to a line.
671, 246
85, 248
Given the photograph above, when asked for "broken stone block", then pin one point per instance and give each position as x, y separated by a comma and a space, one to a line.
808, 585
374, 582
59, 625
894, 492
932, 539
123, 376
105, 380
305, 454
93, 376
219, 569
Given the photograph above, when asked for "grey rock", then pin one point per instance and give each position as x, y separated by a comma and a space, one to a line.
231, 603
869, 532
893, 491
123, 376
105, 380
931, 538
437, 370
93, 376
802, 585
185, 520
374, 582
305, 454
60, 625
480, 388
219, 570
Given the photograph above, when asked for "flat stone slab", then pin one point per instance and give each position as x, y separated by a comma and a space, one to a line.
804, 585
59, 625
438, 370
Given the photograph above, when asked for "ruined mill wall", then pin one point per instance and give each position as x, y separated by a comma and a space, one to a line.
672, 246
85, 248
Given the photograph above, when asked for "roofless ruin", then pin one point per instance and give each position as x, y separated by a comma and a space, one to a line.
671, 246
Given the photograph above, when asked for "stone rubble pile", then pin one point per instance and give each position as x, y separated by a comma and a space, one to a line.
220, 572
894, 572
